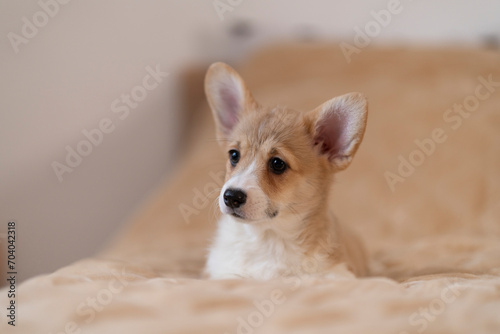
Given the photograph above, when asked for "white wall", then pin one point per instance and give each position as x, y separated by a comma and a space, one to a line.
419, 21
65, 78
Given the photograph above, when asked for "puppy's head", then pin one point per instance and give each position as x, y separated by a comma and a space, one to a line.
280, 162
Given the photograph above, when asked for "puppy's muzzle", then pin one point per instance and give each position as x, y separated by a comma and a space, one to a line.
234, 198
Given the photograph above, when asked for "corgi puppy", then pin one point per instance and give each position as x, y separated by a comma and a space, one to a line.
280, 166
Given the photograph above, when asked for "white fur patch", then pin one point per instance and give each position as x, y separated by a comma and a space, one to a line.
257, 203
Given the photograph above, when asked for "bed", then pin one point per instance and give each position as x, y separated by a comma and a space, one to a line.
423, 192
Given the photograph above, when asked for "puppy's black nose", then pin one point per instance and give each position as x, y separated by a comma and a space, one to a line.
234, 198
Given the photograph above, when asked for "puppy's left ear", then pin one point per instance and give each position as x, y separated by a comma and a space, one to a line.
228, 97
338, 126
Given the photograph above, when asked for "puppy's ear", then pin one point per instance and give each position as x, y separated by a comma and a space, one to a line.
338, 126
227, 96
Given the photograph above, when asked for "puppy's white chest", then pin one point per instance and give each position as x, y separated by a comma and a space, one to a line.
238, 253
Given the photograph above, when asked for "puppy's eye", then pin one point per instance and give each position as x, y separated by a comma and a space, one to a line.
234, 157
277, 165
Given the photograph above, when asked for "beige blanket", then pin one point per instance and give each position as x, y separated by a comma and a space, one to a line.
423, 192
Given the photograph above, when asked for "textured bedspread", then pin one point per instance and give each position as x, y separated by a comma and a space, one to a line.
423, 192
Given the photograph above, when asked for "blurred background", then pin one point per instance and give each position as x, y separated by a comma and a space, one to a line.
94, 104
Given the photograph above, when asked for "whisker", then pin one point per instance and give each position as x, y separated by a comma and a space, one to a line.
214, 208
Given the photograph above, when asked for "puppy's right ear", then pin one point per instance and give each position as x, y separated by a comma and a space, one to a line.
338, 127
227, 96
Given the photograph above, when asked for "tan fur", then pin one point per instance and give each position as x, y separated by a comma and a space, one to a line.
262, 133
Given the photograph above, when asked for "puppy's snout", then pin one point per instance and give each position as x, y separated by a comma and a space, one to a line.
234, 198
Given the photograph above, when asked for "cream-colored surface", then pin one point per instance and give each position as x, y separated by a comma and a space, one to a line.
434, 242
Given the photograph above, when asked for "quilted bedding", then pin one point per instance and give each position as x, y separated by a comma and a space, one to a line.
423, 192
